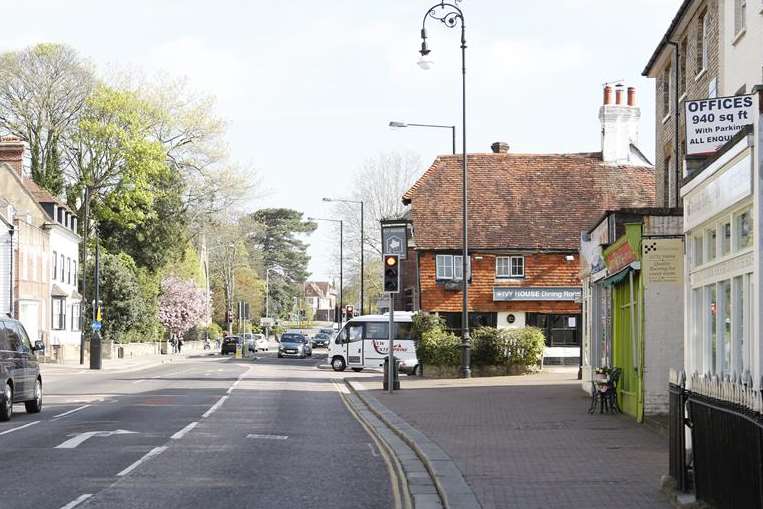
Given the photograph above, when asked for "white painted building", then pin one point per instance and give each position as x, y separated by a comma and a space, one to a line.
741, 55
724, 288
64, 272
6, 259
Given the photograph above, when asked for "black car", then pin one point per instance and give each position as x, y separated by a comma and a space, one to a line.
321, 339
229, 344
19, 369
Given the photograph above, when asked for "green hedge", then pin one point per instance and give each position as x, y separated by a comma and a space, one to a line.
507, 347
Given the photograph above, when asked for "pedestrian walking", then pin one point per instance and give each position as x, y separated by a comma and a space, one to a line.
180, 344
174, 344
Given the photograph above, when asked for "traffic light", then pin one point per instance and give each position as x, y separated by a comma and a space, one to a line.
391, 273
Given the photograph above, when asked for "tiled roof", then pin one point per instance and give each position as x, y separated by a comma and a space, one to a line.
41, 195
523, 201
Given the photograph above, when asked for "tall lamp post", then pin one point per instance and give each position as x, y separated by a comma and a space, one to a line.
397, 125
451, 16
278, 270
362, 248
341, 256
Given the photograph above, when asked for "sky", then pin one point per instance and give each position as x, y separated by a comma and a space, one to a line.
308, 88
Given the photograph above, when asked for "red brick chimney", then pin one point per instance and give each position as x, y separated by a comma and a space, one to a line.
619, 94
12, 152
499, 147
631, 96
607, 95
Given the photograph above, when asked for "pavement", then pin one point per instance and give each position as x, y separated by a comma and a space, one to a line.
201, 431
529, 442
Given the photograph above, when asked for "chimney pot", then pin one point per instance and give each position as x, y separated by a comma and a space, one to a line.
619, 94
12, 152
500, 147
607, 95
631, 96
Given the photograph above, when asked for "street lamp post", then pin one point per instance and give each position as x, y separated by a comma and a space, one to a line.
396, 125
451, 16
362, 247
278, 270
341, 256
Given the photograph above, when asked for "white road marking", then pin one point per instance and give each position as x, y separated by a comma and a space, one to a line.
182, 432
153, 452
72, 443
373, 451
139, 381
341, 388
230, 389
77, 501
18, 428
214, 407
268, 437
70, 411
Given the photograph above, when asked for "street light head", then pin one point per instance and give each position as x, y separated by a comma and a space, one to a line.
327, 199
397, 125
425, 64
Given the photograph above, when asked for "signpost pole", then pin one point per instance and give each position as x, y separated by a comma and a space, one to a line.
391, 336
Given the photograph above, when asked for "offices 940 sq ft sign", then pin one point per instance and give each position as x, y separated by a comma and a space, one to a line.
710, 123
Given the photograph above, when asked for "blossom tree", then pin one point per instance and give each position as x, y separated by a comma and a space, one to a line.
181, 305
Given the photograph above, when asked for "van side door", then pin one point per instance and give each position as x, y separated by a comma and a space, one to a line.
31, 364
354, 345
15, 355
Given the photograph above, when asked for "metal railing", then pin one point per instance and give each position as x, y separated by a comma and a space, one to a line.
679, 467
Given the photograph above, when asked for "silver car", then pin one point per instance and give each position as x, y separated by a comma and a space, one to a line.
294, 345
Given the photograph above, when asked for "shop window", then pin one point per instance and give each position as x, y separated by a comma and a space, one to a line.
697, 325
559, 330
449, 267
711, 242
739, 310
725, 321
711, 337
743, 230
725, 238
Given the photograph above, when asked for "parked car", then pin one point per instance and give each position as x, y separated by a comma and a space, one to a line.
294, 345
230, 343
321, 339
261, 343
19, 369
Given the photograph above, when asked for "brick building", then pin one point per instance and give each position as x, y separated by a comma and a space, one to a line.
711, 49
526, 215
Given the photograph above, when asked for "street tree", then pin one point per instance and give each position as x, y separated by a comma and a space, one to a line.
182, 305
43, 91
380, 183
277, 242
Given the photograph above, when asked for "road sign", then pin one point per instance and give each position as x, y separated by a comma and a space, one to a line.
95, 325
266, 322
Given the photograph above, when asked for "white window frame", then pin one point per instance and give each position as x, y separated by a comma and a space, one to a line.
517, 273
701, 38
63, 266
58, 320
740, 18
55, 266
76, 316
502, 267
443, 262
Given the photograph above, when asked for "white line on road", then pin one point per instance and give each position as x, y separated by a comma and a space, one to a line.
153, 452
18, 428
70, 411
182, 432
77, 501
268, 437
139, 381
214, 407
230, 389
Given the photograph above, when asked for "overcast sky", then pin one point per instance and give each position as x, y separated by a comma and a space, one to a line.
308, 87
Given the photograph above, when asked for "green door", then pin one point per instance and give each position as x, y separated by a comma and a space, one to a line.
626, 345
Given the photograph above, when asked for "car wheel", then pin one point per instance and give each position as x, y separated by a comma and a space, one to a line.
6, 403
357, 370
280, 356
338, 364
34, 406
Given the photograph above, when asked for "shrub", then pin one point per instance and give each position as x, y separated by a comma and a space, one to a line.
439, 348
424, 322
507, 347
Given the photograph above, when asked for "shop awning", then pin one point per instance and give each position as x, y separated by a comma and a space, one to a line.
615, 278
57, 291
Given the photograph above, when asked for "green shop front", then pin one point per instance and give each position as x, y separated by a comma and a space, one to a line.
622, 259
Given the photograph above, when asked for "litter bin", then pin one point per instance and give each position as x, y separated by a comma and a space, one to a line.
395, 375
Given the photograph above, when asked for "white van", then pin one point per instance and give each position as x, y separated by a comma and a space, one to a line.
363, 342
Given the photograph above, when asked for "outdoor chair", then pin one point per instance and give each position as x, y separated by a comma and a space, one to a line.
605, 396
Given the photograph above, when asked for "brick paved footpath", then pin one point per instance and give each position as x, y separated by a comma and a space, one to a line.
528, 441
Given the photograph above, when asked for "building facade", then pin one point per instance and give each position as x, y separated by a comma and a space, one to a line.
321, 297
524, 242
632, 276
711, 49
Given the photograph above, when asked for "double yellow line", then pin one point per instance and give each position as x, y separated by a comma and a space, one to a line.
400, 493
